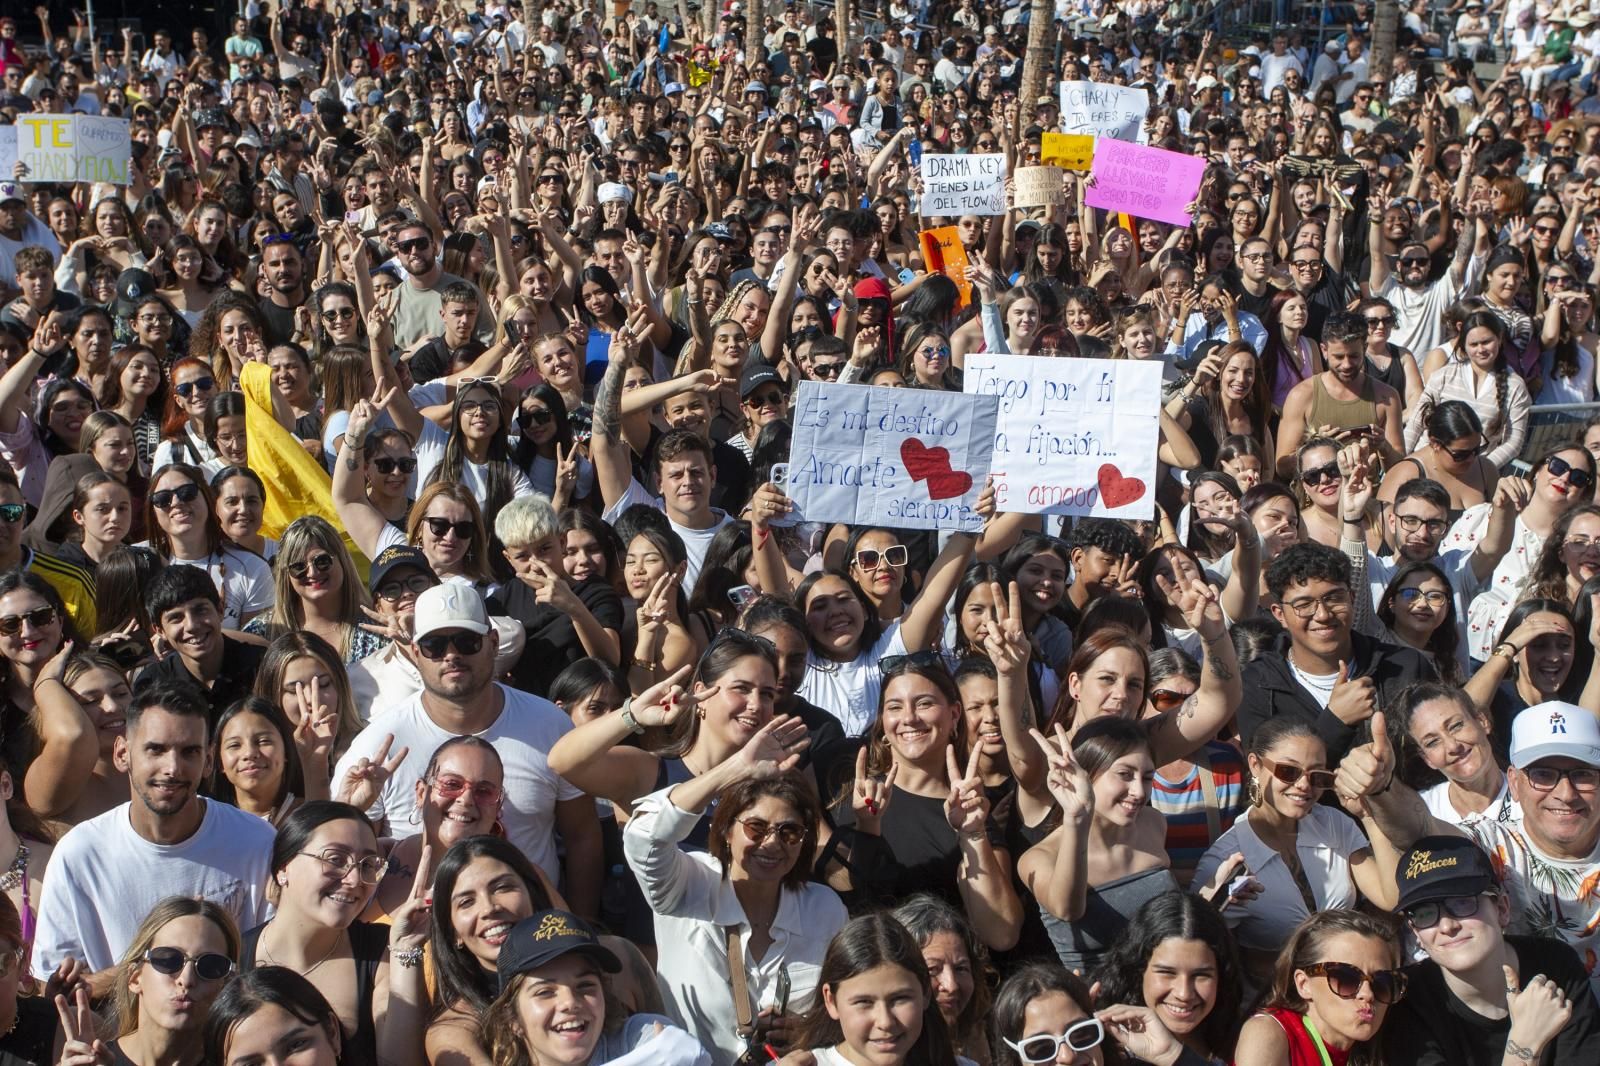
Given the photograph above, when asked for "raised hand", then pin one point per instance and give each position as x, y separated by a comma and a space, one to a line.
870, 796
409, 930
1352, 702
1355, 492
1367, 769
1067, 781
776, 746
1538, 1013
318, 724
665, 702
967, 807
660, 607
363, 782
768, 505
1005, 640
81, 1047
1140, 1033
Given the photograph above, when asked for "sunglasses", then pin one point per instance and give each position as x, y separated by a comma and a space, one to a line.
415, 244
440, 526
894, 664
451, 786
1318, 475
538, 416
335, 313
1164, 699
1559, 468
164, 499
12, 513
789, 834
436, 645
416, 584
38, 618
389, 465
1460, 455
1388, 986
1426, 915
208, 966
826, 370
1386, 321
1289, 774
319, 563
871, 558
188, 388
1080, 1036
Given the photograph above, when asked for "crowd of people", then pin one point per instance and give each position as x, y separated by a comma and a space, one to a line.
409, 653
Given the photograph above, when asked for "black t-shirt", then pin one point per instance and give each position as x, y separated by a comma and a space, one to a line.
1331, 294
1256, 305
927, 852
240, 662
1431, 1027
280, 322
824, 53
433, 360
553, 643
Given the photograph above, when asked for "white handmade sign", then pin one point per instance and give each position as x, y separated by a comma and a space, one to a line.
1103, 110
1074, 436
963, 185
8, 152
903, 458
67, 148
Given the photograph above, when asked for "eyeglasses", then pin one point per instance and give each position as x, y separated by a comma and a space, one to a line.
790, 834
1411, 523
1253, 257
153, 320
1426, 915
340, 864
1542, 778
1388, 986
1080, 1036
472, 407
1433, 597
1317, 475
416, 584
1559, 468
1305, 264
388, 465
12, 513
1290, 774
333, 313
826, 370
440, 526
189, 388
871, 558
451, 786
1165, 699
436, 645
1386, 321
38, 618
321, 563
163, 500
1335, 602
208, 966
415, 244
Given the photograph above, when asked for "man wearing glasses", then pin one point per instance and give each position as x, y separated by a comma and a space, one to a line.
1548, 857
1459, 1006
1419, 304
1322, 671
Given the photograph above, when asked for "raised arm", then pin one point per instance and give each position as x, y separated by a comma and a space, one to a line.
1182, 731
613, 468
594, 757
1056, 870
364, 522
924, 623
69, 744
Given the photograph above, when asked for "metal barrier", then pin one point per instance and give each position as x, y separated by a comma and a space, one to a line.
1550, 425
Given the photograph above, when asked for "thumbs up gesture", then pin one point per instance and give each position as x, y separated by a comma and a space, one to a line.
1352, 701
1366, 770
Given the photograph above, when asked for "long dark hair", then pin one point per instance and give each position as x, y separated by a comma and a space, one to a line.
1443, 642
866, 943
292, 783
526, 450
1177, 916
498, 462
1491, 321
266, 986
1032, 982
463, 981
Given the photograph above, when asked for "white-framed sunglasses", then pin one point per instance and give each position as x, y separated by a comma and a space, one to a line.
1080, 1036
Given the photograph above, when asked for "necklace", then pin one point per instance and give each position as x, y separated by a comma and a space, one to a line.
312, 968
17, 870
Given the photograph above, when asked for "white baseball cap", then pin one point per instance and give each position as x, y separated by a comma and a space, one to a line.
1555, 729
451, 605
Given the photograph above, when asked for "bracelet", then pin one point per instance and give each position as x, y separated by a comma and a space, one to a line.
410, 958
1507, 649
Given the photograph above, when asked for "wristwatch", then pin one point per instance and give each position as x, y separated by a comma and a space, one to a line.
629, 720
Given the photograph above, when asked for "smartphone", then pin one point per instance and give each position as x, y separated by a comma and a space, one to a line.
740, 595
353, 217
779, 476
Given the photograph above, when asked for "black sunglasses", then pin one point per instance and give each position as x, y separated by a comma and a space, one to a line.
1317, 476
414, 244
440, 526
38, 618
387, 465
437, 645
894, 664
320, 563
538, 416
1559, 467
188, 388
12, 513
208, 966
1460, 455
164, 499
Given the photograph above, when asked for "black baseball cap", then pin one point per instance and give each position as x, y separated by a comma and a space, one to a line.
1440, 867
133, 285
1203, 349
544, 938
393, 558
756, 376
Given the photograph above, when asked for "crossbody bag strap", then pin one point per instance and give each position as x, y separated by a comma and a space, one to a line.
1208, 788
743, 1013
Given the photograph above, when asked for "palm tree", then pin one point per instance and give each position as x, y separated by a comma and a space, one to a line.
755, 32
1036, 60
1385, 23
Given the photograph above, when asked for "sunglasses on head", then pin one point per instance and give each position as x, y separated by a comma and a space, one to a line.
925, 660
437, 645
1559, 467
12, 513
208, 966
440, 526
871, 558
164, 499
1388, 986
388, 465
1080, 1036
1289, 774
188, 388
1318, 475
1426, 915
320, 563
38, 618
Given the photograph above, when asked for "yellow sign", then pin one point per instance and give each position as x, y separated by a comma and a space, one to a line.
1072, 151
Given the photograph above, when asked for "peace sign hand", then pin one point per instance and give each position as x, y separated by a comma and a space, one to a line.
567, 466
660, 607
363, 782
81, 1047
870, 796
385, 624
1198, 602
966, 808
1067, 781
1005, 640
411, 920
1125, 576
318, 725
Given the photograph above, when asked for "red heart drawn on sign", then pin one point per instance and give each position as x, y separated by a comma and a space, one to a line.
933, 465
1116, 490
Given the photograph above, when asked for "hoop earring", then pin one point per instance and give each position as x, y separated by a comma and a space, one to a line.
415, 817
1254, 792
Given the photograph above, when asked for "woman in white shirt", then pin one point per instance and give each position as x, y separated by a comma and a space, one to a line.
1307, 856
476, 450
1452, 736
747, 908
181, 517
1479, 374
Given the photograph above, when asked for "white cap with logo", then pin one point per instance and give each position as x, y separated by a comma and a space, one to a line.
1555, 729
451, 605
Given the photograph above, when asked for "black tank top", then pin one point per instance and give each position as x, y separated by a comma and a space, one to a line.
369, 942
674, 772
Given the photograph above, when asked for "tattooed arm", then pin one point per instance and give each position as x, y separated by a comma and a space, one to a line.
1181, 732
609, 448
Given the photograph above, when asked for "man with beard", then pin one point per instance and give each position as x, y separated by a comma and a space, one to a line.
107, 873
1420, 305
1344, 402
284, 270
453, 651
419, 301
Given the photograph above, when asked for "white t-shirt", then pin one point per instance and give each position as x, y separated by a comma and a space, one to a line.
430, 453
243, 579
849, 691
526, 730
1318, 686
104, 878
695, 541
1501, 809
827, 1056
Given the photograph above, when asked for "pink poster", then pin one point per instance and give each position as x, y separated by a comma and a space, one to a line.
1144, 182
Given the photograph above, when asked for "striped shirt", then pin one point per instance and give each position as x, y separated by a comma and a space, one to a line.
1183, 803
